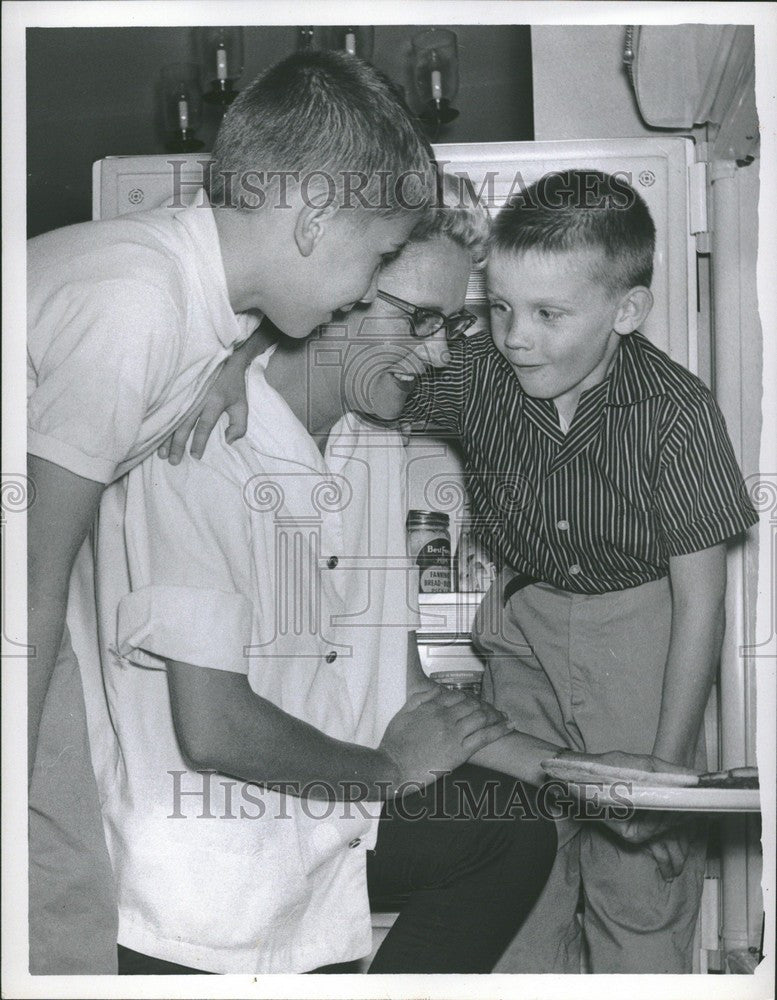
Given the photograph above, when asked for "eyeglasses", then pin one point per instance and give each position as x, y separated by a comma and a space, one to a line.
427, 322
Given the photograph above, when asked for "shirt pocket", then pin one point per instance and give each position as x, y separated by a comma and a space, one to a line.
327, 830
628, 523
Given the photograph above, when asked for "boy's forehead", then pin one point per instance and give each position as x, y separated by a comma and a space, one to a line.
577, 265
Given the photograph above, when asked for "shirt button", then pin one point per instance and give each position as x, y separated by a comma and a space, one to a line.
355, 842
574, 569
562, 525
332, 562
331, 656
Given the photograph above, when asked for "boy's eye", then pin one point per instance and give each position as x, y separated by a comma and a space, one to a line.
549, 315
496, 306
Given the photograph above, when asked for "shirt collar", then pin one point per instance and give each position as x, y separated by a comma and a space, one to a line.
632, 377
273, 428
199, 221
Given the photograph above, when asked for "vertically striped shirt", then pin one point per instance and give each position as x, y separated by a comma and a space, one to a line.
646, 470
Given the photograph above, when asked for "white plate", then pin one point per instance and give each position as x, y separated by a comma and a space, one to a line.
581, 771
648, 789
673, 799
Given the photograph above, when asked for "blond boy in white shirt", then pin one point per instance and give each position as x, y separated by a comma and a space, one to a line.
128, 321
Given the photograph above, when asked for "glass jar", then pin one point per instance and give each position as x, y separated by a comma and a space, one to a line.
429, 545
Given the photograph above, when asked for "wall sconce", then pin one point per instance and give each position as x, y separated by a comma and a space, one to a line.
221, 57
355, 40
181, 107
306, 36
436, 76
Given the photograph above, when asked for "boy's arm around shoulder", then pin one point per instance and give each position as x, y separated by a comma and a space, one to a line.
226, 395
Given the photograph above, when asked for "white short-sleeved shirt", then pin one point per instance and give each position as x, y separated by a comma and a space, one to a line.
128, 321
265, 558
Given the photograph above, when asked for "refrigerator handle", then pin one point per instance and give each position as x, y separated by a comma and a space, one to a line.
698, 194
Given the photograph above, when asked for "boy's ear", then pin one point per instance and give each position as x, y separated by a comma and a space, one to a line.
633, 309
312, 222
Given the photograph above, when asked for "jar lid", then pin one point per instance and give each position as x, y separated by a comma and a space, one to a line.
427, 519
457, 676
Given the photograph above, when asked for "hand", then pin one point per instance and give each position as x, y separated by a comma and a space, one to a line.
226, 395
437, 730
666, 836
670, 853
657, 831
450, 697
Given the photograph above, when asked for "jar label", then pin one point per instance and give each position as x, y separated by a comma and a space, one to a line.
434, 564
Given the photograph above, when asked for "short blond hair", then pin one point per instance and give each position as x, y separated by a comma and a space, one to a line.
459, 215
578, 210
328, 115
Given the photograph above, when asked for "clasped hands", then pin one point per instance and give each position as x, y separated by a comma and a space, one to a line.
436, 730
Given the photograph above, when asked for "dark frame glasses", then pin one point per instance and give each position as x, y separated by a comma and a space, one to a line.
426, 322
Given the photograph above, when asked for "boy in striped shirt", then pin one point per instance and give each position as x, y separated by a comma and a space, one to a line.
602, 476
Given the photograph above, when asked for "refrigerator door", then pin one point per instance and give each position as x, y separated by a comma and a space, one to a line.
124, 184
661, 170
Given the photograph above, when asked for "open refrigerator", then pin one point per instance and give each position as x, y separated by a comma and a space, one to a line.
673, 180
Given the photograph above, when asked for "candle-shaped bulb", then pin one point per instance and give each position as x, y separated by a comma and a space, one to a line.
221, 63
350, 43
183, 114
436, 85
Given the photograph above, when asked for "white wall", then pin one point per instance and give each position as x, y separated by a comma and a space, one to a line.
581, 90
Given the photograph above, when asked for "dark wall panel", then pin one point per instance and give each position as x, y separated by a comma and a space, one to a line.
93, 92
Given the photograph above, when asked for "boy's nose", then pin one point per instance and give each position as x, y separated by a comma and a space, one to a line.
518, 336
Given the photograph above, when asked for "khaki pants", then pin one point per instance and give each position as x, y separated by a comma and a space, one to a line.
73, 914
587, 672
